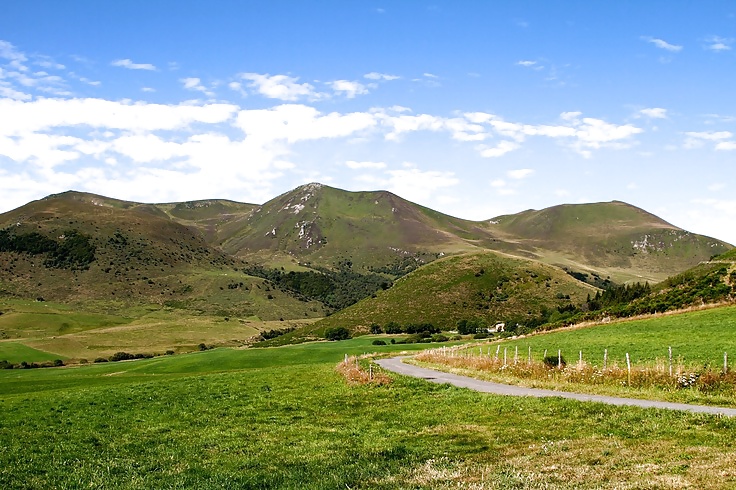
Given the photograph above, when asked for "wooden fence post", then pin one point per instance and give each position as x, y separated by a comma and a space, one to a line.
670, 356
628, 367
559, 358
605, 359
725, 363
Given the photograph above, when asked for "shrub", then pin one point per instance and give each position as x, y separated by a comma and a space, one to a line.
170, 352
438, 337
554, 361
58, 362
337, 333
379, 342
101, 359
480, 336
202, 347
121, 356
376, 329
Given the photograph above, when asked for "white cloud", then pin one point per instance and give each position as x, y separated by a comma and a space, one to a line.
430, 75
521, 173
45, 114
361, 165
661, 44
126, 63
348, 89
417, 185
148, 89
282, 87
294, 122
654, 113
718, 44
405, 123
195, 84
726, 145
696, 139
499, 150
380, 76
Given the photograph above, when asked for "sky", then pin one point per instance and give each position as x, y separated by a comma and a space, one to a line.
472, 108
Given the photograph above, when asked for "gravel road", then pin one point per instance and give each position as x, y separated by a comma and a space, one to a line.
396, 365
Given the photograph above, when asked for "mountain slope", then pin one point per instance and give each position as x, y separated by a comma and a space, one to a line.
612, 239
321, 225
131, 254
485, 286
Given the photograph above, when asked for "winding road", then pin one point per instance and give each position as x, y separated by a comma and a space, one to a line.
396, 365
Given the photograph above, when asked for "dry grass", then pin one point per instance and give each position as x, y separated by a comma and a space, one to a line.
355, 374
705, 380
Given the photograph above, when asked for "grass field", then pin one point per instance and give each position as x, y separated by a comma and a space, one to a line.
38, 331
283, 418
698, 340
697, 337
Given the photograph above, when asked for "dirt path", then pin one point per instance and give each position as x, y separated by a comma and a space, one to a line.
396, 365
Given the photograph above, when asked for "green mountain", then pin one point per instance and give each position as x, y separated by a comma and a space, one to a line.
488, 287
233, 259
107, 254
612, 239
319, 225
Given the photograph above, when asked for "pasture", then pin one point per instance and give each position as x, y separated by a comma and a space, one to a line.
284, 418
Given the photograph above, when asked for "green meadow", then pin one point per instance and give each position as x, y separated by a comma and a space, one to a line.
284, 418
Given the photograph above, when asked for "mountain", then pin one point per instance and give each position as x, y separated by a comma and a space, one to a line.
234, 259
109, 254
319, 225
609, 239
484, 286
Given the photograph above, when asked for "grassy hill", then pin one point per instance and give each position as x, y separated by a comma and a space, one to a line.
283, 418
486, 286
319, 225
126, 254
611, 239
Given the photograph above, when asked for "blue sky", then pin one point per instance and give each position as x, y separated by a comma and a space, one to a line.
473, 108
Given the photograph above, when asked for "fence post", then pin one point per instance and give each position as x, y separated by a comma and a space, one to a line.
670, 356
516, 355
559, 358
725, 363
628, 367
530, 355
580, 360
498, 348
605, 359
370, 371
504, 356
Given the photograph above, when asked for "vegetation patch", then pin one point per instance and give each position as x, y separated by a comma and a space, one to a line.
355, 374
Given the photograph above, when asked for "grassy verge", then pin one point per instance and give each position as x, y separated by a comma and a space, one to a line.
284, 418
698, 340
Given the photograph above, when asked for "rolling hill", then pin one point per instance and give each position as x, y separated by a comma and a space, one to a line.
124, 254
109, 254
485, 286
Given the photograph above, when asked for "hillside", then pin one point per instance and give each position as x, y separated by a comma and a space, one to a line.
203, 256
106, 254
486, 287
319, 225
610, 239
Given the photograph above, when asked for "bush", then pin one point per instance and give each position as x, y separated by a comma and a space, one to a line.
101, 359
58, 362
170, 352
376, 329
438, 337
553, 361
121, 356
337, 333
202, 347
379, 342
480, 336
